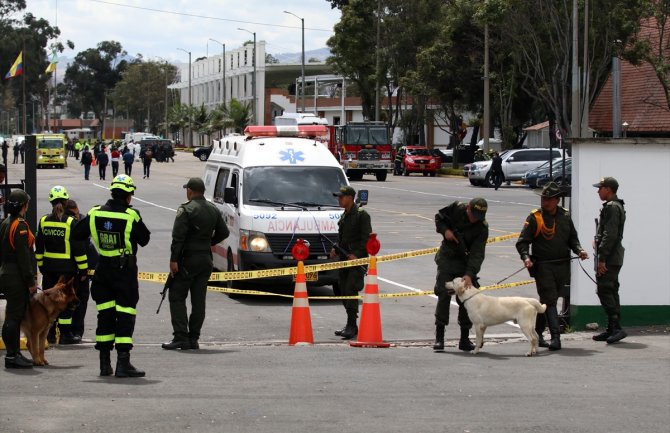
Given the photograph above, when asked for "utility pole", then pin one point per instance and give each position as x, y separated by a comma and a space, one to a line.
574, 115
302, 93
487, 108
190, 132
379, 16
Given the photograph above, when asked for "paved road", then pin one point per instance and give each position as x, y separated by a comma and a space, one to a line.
245, 379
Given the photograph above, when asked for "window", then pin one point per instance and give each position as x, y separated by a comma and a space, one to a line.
292, 184
220, 187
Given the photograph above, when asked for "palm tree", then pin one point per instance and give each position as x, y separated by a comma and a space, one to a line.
200, 122
239, 114
178, 119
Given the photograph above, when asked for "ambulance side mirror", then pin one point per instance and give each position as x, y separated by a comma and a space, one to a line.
230, 195
362, 198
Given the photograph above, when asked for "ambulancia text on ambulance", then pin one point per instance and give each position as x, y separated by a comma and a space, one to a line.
274, 185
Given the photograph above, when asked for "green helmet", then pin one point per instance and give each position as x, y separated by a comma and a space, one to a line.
124, 183
58, 192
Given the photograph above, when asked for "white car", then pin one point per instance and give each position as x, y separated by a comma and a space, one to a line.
515, 163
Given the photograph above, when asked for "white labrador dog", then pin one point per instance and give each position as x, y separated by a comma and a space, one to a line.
487, 311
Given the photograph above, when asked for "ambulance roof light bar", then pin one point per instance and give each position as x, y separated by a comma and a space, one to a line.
303, 131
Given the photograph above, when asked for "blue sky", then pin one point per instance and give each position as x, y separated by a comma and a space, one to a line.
157, 34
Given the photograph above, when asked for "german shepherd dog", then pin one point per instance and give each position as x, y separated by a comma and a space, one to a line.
43, 308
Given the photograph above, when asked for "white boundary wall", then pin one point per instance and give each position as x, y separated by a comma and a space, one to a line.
642, 167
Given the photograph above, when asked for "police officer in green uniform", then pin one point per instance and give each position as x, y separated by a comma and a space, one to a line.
610, 257
116, 230
353, 233
197, 227
57, 255
17, 274
464, 232
552, 235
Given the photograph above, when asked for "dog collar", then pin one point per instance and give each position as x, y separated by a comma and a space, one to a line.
478, 292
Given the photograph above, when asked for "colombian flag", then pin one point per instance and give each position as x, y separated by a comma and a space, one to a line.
17, 67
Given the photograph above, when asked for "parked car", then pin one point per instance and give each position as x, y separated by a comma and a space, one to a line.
418, 159
515, 163
202, 153
538, 177
442, 158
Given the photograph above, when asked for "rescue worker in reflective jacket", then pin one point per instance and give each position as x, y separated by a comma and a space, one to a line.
610, 257
58, 255
116, 230
552, 234
197, 227
354, 230
17, 274
464, 233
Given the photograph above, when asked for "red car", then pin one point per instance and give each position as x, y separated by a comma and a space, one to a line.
418, 159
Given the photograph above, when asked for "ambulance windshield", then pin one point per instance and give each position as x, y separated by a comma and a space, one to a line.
292, 185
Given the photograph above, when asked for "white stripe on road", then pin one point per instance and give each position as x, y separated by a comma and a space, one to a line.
140, 200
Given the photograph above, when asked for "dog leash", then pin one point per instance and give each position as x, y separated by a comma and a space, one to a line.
538, 263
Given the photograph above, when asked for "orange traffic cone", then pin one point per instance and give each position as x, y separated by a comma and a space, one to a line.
93, 162
301, 320
370, 329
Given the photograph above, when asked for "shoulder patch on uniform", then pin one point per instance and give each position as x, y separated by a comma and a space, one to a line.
180, 210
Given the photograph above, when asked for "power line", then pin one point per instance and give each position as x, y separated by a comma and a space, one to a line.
206, 17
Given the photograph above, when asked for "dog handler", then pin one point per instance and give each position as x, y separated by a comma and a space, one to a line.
57, 255
116, 229
552, 234
464, 233
197, 227
17, 274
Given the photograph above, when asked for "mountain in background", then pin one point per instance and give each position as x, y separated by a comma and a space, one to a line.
322, 54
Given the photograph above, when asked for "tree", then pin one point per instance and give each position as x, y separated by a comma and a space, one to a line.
30, 35
270, 59
178, 119
93, 73
651, 44
141, 93
239, 115
352, 55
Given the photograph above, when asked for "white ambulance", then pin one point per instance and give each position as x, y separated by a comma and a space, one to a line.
274, 185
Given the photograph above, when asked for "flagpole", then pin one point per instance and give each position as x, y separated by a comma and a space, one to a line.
23, 86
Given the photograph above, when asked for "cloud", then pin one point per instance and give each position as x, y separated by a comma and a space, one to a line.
141, 30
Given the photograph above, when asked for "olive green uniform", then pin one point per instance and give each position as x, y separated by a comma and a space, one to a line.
17, 275
197, 227
611, 252
354, 230
551, 246
457, 260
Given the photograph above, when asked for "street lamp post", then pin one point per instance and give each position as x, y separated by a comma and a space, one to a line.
253, 78
302, 69
190, 132
223, 72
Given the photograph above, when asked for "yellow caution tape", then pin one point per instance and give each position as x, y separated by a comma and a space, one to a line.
381, 295
160, 277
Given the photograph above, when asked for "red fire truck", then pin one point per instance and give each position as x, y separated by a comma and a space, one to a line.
363, 148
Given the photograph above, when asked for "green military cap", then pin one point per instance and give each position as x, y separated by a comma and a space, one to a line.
345, 190
609, 182
195, 184
478, 207
18, 196
551, 190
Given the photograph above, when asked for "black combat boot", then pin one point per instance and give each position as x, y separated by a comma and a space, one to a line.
439, 338
464, 343
177, 344
69, 338
17, 361
194, 343
105, 363
554, 328
617, 333
11, 336
603, 336
540, 324
351, 330
339, 332
124, 368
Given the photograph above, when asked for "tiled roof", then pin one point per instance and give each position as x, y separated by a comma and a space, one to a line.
643, 103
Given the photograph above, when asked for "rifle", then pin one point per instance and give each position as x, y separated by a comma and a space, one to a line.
166, 287
341, 252
596, 241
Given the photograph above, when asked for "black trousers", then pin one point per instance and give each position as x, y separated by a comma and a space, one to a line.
444, 300
115, 292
